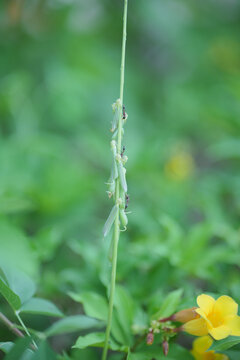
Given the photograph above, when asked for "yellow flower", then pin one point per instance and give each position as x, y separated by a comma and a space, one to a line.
200, 347
180, 166
218, 318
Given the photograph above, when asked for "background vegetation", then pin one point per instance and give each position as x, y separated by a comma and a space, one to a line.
59, 69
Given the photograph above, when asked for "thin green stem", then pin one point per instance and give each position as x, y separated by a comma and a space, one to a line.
25, 329
117, 222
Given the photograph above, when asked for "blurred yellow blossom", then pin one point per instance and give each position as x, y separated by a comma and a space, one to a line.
200, 347
218, 318
225, 53
180, 166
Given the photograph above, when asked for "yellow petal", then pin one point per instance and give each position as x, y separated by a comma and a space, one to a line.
205, 302
202, 344
196, 355
225, 306
220, 357
203, 315
197, 327
220, 332
233, 323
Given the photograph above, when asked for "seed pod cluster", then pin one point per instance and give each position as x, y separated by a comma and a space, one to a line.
118, 171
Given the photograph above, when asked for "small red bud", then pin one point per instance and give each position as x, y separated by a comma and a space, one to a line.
150, 338
165, 347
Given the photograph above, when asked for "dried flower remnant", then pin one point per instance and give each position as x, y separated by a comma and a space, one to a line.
150, 337
165, 347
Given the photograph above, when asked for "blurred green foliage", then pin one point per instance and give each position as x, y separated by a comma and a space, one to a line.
59, 71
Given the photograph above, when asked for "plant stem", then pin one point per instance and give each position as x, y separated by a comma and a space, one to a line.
14, 328
25, 329
10, 325
116, 224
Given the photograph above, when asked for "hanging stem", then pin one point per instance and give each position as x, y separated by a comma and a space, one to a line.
10, 325
14, 328
117, 222
25, 329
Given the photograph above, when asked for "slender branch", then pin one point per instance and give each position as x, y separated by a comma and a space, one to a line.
25, 329
117, 222
10, 325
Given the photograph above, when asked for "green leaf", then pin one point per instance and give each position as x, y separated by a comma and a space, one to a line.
18, 282
117, 330
19, 349
97, 340
93, 339
225, 344
16, 249
176, 352
72, 324
40, 306
232, 354
12, 298
124, 306
94, 304
169, 305
44, 352
6, 346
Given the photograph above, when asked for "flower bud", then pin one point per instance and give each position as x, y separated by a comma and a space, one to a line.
150, 338
165, 347
185, 315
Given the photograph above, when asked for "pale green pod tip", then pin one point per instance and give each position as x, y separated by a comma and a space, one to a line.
123, 218
124, 159
111, 189
118, 158
110, 220
116, 105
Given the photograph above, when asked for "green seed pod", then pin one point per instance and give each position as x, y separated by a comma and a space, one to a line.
114, 171
114, 136
117, 113
110, 220
123, 218
122, 176
123, 200
114, 147
124, 159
